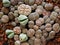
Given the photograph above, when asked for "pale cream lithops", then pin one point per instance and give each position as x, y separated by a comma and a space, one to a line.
24, 9
23, 37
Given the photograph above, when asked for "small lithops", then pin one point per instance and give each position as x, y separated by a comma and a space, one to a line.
48, 6
17, 42
30, 24
30, 2
38, 2
17, 30
4, 19
35, 27
38, 34
37, 41
24, 9
51, 35
56, 27
23, 20
53, 15
1, 14
16, 37
30, 32
6, 3
48, 27
39, 21
10, 33
25, 43
33, 16
23, 37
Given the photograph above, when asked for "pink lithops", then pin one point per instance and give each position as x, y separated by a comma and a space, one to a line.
24, 9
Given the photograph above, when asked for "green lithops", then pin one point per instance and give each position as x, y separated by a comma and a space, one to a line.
6, 3
23, 37
23, 20
10, 33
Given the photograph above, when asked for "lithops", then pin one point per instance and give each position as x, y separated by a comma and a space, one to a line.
16, 37
39, 21
56, 27
10, 33
23, 37
24, 9
6, 3
33, 16
38, 34
25, 43
30, 24
4, 19
51, 35
53, 15
48, 27
17, 30
17, 42
23, 20
1, 14
35, 27
30, 32
30, 2
37, 41
48, 6
38, 2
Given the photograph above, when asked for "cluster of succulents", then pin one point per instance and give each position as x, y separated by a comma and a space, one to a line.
34, 21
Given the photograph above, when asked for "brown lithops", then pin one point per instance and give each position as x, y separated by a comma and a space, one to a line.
16, 37
53, 15
30, 2
39, 21
51, 35
17, 30
4, 19
24, 43
37, 41
24, 9
35, 27
48, 27
30, 32
56, 27
33, 16
38, 2
48, 6
30, 24
5, 10
38, 34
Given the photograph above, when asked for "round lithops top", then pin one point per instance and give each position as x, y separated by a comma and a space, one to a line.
24, 9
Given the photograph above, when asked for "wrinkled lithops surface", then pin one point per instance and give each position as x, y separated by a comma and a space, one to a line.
29, 22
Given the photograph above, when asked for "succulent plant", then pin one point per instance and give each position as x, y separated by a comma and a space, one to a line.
23, 37
23, 20
10, 33
6, 3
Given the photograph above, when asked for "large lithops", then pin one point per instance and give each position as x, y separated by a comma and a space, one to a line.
24, 9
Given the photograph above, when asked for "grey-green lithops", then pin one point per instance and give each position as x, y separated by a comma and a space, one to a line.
6, 3
10, 33
23, 20
23, 37
1, 14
